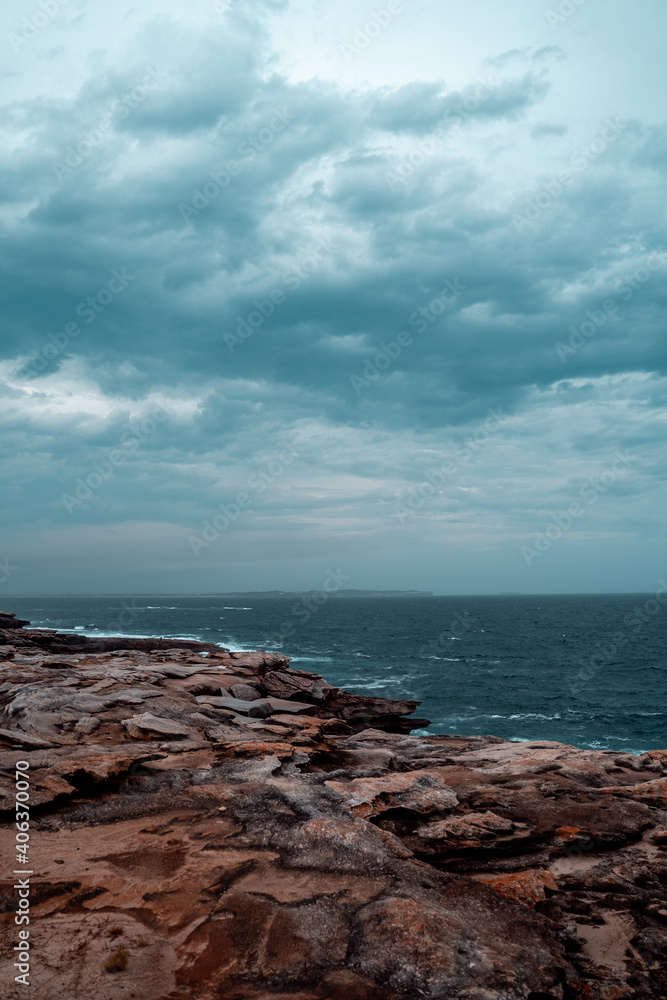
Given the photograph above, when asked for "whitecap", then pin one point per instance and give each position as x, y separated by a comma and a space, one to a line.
534, 715
310, 659
233, 646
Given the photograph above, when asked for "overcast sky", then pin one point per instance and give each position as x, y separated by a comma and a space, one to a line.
295, 286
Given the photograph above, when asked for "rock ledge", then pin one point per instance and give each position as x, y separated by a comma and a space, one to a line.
211, 824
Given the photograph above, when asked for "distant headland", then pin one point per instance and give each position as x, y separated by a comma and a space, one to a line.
269, 594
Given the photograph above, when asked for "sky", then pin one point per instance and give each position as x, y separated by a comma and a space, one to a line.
294, 288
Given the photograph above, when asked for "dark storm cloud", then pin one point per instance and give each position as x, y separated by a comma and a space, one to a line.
366, 272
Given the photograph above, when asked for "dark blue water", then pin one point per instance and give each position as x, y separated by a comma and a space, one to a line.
587, 670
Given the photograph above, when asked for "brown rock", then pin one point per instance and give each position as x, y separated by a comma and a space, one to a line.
254, 709
421, 792
150, 726
524, 887
467, 830
244, 692
317, 853
409, 945
17, 738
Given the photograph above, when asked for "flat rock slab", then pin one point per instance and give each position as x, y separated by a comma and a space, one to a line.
255, 709
17, 738
147, 724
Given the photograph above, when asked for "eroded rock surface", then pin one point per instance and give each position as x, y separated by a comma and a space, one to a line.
210, 824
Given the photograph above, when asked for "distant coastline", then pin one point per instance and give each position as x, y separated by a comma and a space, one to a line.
269, 594
257, 594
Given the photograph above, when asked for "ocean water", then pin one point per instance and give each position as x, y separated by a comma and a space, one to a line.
586, 670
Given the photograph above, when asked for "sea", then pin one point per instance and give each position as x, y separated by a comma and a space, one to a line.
588, 670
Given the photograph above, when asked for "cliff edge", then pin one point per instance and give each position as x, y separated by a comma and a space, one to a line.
209, 824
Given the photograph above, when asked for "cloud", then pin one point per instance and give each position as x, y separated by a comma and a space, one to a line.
277, 237
547, 129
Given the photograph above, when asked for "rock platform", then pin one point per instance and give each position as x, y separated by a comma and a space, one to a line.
210, 824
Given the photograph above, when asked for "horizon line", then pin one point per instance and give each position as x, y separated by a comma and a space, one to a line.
288, 593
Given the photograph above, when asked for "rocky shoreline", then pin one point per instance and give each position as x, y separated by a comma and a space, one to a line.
212, 824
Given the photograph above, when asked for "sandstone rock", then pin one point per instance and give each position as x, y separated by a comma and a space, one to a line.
423, 792
17, 738
244, 692
147, 725
254, 709
315, 851
468, 829
524, 887
88, 724
645, 791
284, 684
198, 683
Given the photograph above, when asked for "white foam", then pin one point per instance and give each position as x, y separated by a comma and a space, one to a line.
310, 659
101, 634
233, 646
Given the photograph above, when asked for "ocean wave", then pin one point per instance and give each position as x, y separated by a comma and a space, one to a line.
377, 685
96, 633
526, 715
234, 647
237, 609
310, 659
447, 723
